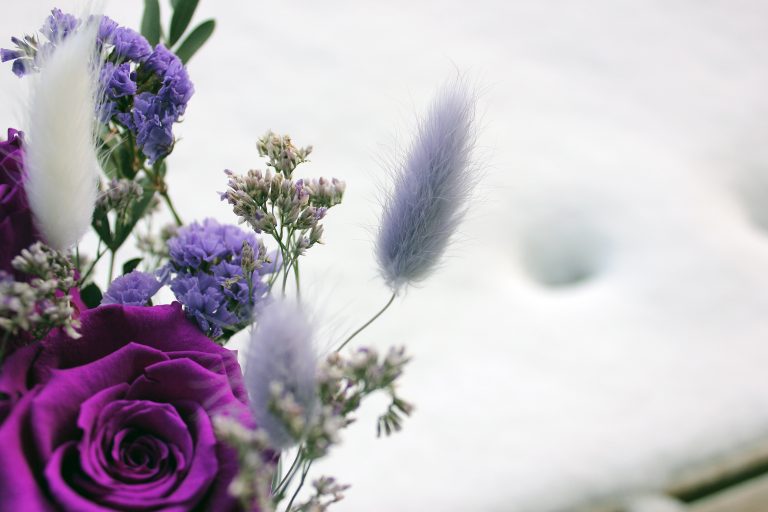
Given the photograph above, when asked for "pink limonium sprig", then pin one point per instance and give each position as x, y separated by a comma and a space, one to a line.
61, 164
430, 193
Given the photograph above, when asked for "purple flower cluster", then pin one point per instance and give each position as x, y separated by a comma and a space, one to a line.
133, 289
131, 65
207, 261
159, 73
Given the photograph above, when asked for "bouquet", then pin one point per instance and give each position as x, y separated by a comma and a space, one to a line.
110, 400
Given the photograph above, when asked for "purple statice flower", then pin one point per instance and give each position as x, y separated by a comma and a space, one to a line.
155, 113
59, 25
131, 65
21, 63
159, 60
152, 126
431, 190
118, 80
199, 246
133, 289
203, 299
107, 27
209, 279
56, 27
129, 44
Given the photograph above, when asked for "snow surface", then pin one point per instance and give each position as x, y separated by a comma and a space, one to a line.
601, 324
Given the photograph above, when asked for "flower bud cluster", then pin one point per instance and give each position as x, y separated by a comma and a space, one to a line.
35, 307
119, 196
326, 193
252, 485
154, 247
282, 155
327, 492
342, 385
267, 201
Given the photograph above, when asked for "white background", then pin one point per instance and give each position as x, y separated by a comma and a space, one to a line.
624, 147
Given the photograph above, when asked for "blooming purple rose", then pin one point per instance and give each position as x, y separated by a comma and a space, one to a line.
17, 231
120, 418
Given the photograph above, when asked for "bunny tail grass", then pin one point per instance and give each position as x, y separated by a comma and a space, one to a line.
61, 162
432, 186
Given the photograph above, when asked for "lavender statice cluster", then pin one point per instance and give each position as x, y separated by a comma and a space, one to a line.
133, 289
218, 274
146, 90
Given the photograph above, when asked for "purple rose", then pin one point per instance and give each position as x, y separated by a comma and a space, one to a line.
16, 229
120, 418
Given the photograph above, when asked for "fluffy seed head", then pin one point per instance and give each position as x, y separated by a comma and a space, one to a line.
432, 185
280, 373
61, 161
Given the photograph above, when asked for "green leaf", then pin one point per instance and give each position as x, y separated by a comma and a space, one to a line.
195, 40
122, 231
150, 22
130, 265
174, 3
182, 15
91, 295
100, 223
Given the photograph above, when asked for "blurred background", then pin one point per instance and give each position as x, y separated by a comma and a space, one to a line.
597, 338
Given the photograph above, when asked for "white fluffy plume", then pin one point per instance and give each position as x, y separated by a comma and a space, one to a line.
60, 144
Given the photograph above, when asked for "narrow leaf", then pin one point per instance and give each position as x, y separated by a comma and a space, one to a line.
139, 208
182, 15
150, 22
91, 295
130, 265
100, 224
195, 40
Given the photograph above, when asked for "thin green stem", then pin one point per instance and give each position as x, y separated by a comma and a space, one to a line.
304, 472
369, 322
286, 480
296, 277
4, 342
111, 267
99, 254
168, 202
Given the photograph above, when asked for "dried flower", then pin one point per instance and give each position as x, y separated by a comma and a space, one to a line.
282, 155
61, 162
280, 373
132, 289
252, 485
35, 307
432, 185
119, 195
210, 281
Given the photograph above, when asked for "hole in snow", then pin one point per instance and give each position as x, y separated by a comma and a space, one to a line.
562, 249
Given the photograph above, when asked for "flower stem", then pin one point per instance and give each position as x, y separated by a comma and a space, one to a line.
280, 489
168, 202
99, 254
111, 267
304, 472
369, 322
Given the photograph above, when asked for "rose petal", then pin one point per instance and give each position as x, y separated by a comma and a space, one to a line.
19, 489
56, 407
